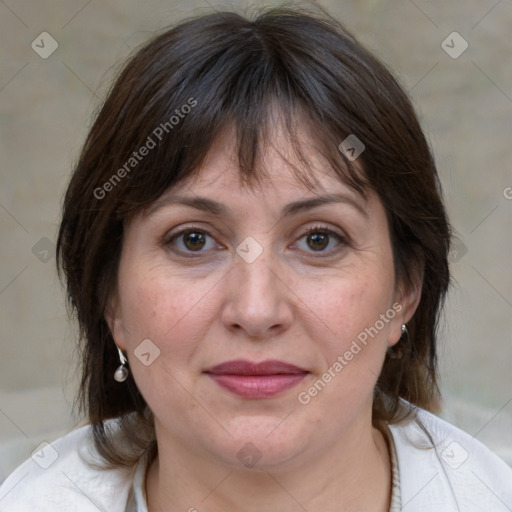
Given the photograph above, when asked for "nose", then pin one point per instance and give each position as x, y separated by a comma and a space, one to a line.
259, 303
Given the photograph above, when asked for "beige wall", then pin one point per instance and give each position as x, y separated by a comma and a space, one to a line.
46, 106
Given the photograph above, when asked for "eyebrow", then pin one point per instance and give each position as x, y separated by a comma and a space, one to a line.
218, 209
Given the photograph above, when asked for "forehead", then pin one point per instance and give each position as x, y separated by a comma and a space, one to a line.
217, 188
279, 169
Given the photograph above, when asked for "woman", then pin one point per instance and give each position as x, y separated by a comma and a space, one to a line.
255, 246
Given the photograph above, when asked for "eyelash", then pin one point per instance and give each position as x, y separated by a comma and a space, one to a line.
343, 240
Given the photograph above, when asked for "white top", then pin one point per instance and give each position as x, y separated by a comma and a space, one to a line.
437, 467
137, 495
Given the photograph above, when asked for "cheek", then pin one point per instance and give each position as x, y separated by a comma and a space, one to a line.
350, 356
165, 310
170, 316
354, 314
349, 306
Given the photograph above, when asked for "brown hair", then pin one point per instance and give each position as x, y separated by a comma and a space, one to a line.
222, 70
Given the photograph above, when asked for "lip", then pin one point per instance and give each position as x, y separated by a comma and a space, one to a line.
256, 380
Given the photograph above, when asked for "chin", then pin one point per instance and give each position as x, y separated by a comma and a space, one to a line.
262, 443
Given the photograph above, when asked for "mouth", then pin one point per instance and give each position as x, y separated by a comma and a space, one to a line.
256, 380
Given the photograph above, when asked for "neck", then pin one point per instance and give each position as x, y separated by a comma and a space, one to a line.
355, 474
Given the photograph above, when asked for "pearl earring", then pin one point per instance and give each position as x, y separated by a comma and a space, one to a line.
397, 352
121, 374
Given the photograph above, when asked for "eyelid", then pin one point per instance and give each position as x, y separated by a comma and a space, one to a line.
168, 238
343, 239
325, 229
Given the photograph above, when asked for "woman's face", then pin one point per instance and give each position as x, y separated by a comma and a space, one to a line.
245, 282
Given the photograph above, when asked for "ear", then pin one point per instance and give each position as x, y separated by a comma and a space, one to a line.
114, 321
407, 299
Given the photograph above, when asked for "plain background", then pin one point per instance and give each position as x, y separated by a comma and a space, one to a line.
47, 105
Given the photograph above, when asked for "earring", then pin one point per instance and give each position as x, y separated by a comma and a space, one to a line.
396, 352
121, 374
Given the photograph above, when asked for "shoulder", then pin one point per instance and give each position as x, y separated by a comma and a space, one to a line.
59, 478
441, 465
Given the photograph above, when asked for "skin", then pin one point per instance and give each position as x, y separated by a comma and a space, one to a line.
290, 304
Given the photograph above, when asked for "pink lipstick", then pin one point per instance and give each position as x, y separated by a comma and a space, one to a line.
256, 380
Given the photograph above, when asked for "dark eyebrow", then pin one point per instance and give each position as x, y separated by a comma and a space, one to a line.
215, 208
200, 203
313, 202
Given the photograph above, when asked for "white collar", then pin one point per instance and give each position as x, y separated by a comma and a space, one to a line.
137, 499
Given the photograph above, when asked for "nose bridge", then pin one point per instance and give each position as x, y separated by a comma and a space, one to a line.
257, 276
258, 300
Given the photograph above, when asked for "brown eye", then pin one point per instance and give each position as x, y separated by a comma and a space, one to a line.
322, 240
318, 241
189, 241
194, 240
